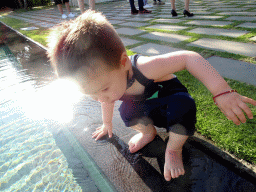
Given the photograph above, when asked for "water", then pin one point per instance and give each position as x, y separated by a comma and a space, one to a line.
30, 159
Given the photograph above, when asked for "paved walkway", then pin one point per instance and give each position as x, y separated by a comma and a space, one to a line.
214, 22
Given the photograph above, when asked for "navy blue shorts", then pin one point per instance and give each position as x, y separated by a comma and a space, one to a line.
177, 108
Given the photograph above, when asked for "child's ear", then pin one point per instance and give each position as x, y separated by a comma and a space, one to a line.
124, 59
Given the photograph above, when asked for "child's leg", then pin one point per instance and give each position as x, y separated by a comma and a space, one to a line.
173, 167
146, 134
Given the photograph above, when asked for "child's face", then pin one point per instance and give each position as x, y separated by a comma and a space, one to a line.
104, 85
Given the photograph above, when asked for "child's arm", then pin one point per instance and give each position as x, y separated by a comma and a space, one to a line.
107, 116
232, 104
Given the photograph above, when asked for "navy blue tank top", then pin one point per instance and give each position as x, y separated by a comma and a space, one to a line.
160, 89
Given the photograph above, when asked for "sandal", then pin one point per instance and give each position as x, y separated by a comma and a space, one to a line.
144, 11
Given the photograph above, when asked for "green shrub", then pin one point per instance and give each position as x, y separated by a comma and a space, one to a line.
34, 3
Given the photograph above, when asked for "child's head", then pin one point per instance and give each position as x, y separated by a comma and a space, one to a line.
90, 50
79, 43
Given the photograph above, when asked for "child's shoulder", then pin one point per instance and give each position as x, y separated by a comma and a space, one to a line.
156, 67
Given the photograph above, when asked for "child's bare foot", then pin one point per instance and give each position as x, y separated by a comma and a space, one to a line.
139, 141
173, 166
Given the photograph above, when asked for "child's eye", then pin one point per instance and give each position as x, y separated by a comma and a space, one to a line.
105, 89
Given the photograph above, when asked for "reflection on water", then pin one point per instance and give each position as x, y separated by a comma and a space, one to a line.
54, 101
29, 157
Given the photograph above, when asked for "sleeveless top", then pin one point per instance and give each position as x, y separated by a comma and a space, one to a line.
152, 88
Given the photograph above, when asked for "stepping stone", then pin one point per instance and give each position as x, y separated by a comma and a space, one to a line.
230, 9
154, 49
115, 21
172, 38
128, 31
238, 13
253, 38
247, 25
168, 20
167, 27
134, 24
138, 19
201, 13
168, 16
233, 69
239, 18
219, 32
119, 18
127, 41
228, 46
212, 23
205, 17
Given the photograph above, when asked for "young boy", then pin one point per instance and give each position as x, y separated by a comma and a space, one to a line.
90, 51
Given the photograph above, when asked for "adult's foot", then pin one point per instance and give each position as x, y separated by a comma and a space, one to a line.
134, 12
64, 16
187, 13
144, 11
174, 13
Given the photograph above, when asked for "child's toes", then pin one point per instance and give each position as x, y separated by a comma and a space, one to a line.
175, 173
167, 175
181, 171
131, 147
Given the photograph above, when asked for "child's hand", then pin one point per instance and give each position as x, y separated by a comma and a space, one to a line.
103, 130
233, 106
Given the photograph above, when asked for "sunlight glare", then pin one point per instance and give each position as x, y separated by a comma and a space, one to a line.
55, 101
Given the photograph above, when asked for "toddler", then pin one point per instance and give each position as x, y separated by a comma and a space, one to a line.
89, 50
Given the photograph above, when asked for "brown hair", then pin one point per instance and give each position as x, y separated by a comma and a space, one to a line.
79, 42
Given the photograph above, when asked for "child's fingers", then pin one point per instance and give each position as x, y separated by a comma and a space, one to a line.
246, 109
110, 133
248, 100
239, 113
231, 116
100, 135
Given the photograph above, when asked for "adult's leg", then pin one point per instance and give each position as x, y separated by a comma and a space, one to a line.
67, 6
92, 4
186, 7
59, 5
81, 5
173, 4
133, 8
141, 4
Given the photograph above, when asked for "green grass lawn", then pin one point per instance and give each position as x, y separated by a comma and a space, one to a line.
39, 35
211, 123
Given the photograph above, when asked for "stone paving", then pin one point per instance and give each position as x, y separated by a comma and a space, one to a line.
227, 26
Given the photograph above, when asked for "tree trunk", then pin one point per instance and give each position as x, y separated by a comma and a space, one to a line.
20, 3
25, 4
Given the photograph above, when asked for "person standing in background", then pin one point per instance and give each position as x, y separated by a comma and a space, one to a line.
134, 11
59, 5
158, 3
146, 5
81, 5
186, 11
